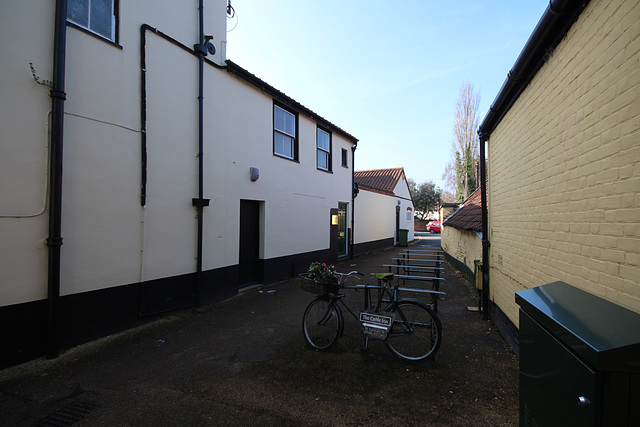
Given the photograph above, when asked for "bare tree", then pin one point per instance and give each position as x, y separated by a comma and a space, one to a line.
459, 175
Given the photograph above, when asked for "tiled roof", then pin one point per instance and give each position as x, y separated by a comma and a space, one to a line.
380, 180
469, 215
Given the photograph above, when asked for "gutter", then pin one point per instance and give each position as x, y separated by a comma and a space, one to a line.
252, 79
54, 241
550, 30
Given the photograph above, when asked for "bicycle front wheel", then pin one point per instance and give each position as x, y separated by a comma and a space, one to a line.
416, 332
322, 323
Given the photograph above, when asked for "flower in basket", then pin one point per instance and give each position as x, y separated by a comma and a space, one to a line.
321, 272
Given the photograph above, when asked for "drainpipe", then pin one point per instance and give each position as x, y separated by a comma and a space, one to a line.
54, 241
354, 194
552, 27
201, 49
485, 229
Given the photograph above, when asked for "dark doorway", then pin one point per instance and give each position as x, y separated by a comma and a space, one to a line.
342, 229
249, 263
397, 225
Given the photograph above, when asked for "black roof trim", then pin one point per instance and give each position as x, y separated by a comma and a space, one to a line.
550, 30
234, 68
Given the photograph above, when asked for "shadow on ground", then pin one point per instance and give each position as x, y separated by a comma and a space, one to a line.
244, 362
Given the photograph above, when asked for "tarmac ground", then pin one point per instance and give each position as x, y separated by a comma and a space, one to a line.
244, 361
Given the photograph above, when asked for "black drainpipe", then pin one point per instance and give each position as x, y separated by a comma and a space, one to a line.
201, 49
550, 30
54, 241
485, 231
354, 194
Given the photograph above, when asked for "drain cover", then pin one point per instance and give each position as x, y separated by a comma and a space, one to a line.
67, 415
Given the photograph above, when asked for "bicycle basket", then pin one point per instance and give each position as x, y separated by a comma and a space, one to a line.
316, 287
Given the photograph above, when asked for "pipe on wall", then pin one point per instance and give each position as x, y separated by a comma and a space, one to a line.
202, 48
550, 30
54, 241
485, 232
353, 199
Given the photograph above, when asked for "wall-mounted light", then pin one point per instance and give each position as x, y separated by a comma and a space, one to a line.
334, 219
254, 173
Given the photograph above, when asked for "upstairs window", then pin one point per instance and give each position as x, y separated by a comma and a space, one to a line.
323, 139
345, 160
285, 143
96, 16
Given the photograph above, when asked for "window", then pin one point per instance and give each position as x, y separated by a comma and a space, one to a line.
284, 133
345, 160
409, 215
324, 149
97, 16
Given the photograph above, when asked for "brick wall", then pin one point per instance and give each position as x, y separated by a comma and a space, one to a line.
463, 245
564, 167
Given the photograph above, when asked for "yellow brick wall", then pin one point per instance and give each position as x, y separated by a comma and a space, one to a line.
564, 175
463, 245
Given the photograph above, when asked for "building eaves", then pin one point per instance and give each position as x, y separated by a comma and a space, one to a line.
550, 30
235, 69
469, 215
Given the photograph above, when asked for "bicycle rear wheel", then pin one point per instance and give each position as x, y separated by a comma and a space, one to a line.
322, 323
416, 332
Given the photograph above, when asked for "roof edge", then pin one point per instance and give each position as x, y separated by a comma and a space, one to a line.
550, 30
250, 78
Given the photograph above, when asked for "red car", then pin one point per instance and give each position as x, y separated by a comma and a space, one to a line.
433, 227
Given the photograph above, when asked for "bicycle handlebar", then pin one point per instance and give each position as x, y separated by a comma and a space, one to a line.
349, 273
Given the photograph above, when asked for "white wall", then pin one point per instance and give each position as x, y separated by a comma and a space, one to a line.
24, 120
109, 238
404, 196
374, 217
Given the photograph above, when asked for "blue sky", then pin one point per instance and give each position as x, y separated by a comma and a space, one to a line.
387, 72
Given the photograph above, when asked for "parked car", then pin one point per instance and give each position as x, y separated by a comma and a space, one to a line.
433, 227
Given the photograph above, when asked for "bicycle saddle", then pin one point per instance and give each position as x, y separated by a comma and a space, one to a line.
387, 277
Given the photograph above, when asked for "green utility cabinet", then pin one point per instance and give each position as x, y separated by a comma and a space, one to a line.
403, 237
579, 359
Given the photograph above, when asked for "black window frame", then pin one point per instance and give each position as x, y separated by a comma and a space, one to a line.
345, 158
328, 152
278, 131
115, 41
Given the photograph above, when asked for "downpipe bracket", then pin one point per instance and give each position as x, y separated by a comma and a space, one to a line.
200, 203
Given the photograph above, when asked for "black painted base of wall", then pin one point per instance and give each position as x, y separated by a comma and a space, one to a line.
91, 315
375, 245
506, 327
460, 266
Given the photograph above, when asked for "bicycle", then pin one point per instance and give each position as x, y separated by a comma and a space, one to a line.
410, 329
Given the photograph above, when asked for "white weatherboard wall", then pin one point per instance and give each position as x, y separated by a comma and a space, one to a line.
109, 238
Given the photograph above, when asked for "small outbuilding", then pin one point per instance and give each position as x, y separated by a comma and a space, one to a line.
383, 209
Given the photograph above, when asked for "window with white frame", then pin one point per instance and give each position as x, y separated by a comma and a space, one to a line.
284, 133
323, 141
96, 16
409, 215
